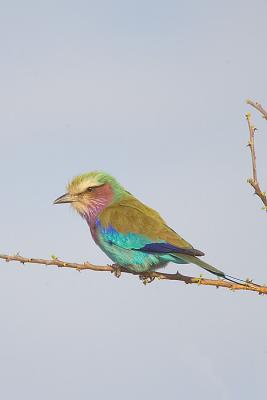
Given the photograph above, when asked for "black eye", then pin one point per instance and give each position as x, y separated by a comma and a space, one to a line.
89, 189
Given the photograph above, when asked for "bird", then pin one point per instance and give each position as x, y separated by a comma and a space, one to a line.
133, 235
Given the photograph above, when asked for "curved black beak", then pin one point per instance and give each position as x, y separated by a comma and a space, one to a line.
65, 198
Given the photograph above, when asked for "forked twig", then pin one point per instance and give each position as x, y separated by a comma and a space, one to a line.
251, 144
258, 107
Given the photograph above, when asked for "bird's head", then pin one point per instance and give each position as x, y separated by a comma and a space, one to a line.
91, 192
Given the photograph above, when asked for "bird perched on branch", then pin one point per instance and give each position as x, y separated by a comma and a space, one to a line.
132, 234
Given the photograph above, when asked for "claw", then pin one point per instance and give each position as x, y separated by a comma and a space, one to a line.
116, 270
146, 277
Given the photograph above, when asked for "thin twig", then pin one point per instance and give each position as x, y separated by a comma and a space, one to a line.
251, 144
146, 278
258, 107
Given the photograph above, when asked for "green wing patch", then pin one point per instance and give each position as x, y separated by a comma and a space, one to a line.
130, 215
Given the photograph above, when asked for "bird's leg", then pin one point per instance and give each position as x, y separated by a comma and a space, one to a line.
146, 277
116, 270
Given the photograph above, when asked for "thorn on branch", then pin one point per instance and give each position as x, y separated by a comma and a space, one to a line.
199, 279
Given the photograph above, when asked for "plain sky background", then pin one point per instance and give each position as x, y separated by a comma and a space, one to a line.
154, 93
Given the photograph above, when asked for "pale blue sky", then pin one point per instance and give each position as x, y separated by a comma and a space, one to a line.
154, 93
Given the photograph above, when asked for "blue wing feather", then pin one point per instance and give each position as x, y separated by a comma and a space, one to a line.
125, 240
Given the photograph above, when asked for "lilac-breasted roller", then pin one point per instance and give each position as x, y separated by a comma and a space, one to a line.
132, 234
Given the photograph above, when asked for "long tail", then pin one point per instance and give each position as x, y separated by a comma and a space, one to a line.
211, 269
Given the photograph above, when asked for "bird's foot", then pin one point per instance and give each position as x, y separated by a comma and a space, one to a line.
116, 270
146, 277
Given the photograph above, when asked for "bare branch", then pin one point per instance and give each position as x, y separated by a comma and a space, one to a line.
251, 144
145, 277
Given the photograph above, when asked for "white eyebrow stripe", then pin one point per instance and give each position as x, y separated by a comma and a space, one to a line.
92, 187
80, 187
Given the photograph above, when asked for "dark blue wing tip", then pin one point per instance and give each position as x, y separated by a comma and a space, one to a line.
165, 248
